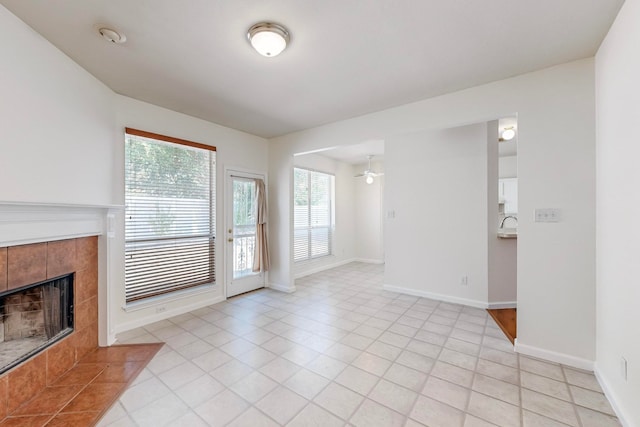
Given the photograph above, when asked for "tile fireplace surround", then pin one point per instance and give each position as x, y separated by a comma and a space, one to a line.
26, 264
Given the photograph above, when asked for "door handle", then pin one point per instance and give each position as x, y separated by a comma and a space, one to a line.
230, 239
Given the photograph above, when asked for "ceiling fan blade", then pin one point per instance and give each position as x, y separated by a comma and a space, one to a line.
377, 173
359, 176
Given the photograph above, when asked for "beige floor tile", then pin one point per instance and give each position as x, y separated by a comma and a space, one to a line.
453, 374
393, 396
406, 377
254, 386
307, 383
546, 369
591, 400
496, 411
195, 349
339, 400
456, 358
498, 371
383, 350
222, 408
143, 394
372, 414
342, 352
190, 419
497, 356
357, 380
467, 336
545, 385
582, 379
394, 339
180, 375
326, 366
495, 388
531, 419
199, 390
424, 348
371, 363
416, 361
462, 346
430, 412
231, 372
254, 418
314, 416
211, 360
446, 392
471, 421
281, 404
279, 369
549, 407
430, 337
591, 418
161, 412
357, 341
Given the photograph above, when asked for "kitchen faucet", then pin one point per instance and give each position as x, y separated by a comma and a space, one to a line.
505, 218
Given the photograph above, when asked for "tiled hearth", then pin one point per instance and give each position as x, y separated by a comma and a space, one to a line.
72, 372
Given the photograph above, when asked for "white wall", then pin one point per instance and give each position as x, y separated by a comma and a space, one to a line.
618, 210
555, 108
235, 150
436, 184
345, 230
508, 167
369, 205
56, 124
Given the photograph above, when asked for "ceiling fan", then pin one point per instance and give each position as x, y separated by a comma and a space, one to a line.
368, 173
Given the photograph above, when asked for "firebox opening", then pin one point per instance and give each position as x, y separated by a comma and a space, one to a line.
33, 317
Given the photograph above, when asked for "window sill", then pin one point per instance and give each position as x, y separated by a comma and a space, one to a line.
173, 296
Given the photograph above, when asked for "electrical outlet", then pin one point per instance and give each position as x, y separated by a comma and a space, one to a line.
623, 368
464, 280
161, 309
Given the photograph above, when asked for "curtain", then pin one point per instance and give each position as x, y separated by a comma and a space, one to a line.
261, 249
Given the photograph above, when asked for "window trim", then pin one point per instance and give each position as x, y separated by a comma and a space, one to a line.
151, 135
331, 209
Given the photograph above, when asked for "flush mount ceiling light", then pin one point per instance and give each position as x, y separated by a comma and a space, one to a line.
268, 39
508, 134
112, 35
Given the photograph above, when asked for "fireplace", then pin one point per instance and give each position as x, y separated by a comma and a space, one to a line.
33, 317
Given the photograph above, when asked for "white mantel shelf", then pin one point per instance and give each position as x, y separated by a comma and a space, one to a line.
27, 222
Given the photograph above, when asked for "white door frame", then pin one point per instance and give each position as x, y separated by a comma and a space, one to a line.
229, 174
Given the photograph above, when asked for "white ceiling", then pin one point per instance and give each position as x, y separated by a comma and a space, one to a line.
357, 154
346, 57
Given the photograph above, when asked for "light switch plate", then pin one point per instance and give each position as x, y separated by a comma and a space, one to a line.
547, 215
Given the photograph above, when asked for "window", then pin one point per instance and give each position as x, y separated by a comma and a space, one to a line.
313, 214
169, 214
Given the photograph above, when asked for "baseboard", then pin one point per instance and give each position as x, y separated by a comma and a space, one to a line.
503, 304
155, 317
608, 391
554, 356
438, 297
282, 288
369, 260
323, 267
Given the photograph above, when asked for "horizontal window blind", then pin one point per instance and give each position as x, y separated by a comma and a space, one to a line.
313, 214
169, 214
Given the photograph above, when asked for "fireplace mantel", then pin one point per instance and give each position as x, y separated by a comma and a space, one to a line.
23, 222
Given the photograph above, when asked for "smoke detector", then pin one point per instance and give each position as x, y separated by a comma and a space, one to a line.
112, 35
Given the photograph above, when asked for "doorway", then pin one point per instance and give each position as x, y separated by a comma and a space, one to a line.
240, 226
